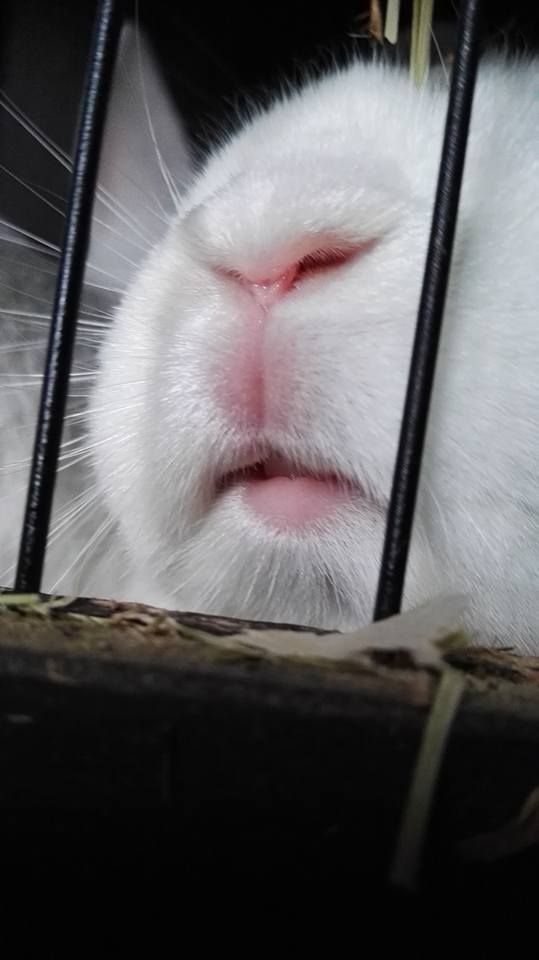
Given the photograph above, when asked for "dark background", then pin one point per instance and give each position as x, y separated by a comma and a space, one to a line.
212, 57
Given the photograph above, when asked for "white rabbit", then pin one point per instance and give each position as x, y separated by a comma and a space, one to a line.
240, 433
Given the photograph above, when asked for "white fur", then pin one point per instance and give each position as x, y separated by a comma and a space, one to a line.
354, 157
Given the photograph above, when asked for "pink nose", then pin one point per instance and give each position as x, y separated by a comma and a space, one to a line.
267, 292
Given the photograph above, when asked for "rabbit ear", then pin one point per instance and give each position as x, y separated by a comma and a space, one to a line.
145, 165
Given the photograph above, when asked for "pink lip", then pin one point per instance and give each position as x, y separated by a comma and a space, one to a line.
288, 498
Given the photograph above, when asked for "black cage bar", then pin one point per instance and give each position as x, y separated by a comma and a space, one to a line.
67, 298
70, 278
429, 322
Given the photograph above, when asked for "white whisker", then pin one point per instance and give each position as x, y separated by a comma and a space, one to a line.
22, 347
100, 286
55, 152
117, 209
102, 529
32, 190
440, 57
17, 242
29, 235
106, 226
165, 172
77, 508
23, 293
13, 261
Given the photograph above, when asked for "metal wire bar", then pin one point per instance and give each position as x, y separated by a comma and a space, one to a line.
67, 296
431, 306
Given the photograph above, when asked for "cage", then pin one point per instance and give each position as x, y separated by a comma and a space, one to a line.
199, 736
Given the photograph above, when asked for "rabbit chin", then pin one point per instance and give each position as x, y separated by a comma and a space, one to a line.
234, 563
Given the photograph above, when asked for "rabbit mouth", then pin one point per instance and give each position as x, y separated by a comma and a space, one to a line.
287, 496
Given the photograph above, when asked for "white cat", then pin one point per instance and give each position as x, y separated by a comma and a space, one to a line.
237, 449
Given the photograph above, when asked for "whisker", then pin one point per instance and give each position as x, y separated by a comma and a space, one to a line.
51, 247
107, 226
100, 286
21, 347
440, 57
23, 315
64, 160
29, 235
24, 121
16, 242
32, 190
76, 509
23, 293
102, 529
165, 172
106, 273
25, 377
121, 213
14, 261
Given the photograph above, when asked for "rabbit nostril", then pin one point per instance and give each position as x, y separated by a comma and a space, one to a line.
269, 291
269, 286
322, 260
